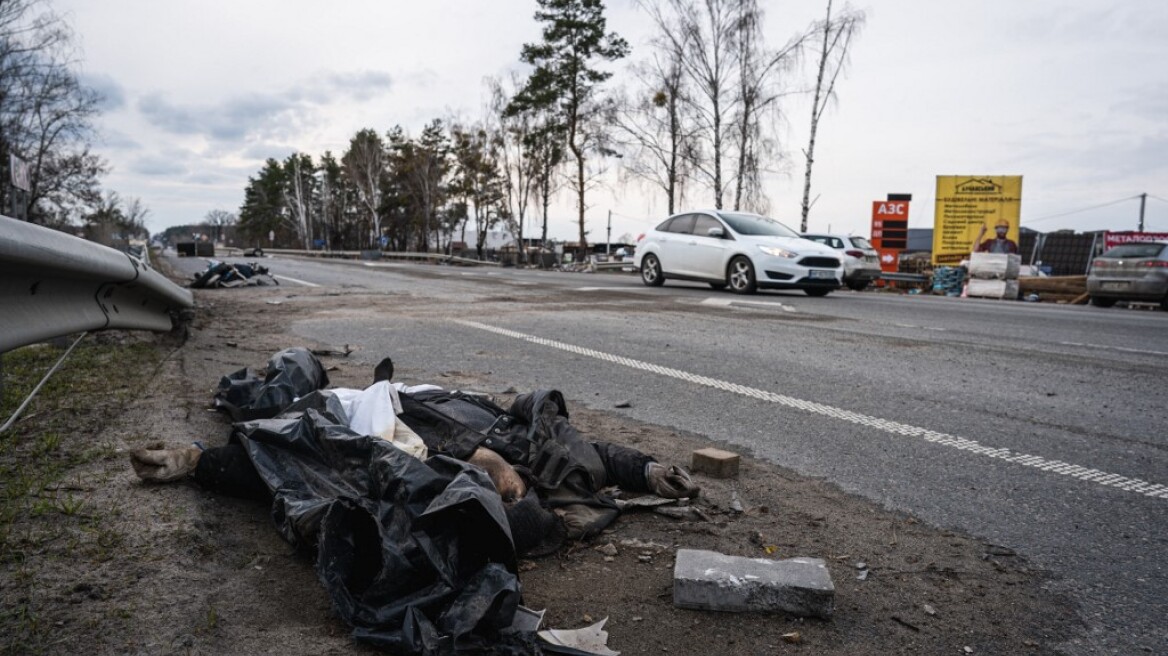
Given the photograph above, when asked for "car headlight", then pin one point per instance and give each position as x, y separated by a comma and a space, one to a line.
775, 251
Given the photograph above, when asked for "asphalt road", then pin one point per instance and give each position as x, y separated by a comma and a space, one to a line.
1040, 428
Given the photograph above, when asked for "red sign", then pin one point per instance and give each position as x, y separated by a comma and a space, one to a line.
889, 231
1113, 239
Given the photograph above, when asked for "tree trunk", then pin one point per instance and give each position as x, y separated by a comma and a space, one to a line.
815, 114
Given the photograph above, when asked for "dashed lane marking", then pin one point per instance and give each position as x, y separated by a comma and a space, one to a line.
1125, 483
1114, 348
299, 282
730, 302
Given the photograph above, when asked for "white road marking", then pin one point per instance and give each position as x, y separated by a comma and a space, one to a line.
1114, 348
300, 282
727, 302
606, 289
1145, 488
915, 327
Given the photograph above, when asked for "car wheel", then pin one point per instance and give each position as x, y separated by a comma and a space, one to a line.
1102, 302
1164, 304
259, 252
817, 291
718, 285
651, 271
741, 276
858, 285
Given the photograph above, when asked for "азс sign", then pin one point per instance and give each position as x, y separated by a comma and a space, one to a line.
889, 231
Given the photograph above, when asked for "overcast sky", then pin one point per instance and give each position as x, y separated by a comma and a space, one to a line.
1070, 94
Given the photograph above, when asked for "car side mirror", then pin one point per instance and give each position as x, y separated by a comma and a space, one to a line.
716, 232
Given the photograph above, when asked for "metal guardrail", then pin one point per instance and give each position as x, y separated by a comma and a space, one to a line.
54, 284
436, 257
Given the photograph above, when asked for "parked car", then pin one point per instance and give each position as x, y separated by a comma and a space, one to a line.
741, 251
1136, 271
861, 261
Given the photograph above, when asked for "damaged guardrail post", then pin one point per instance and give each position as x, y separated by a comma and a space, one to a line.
54, 284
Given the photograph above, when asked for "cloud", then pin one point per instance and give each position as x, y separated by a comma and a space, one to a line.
158, 165
166, 116
265, 150
258, 115
113, 96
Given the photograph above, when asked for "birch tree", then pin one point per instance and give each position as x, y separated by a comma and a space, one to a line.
704, 33
299, 196
654, 127
834, 39
517, 167
760, 86
365, 166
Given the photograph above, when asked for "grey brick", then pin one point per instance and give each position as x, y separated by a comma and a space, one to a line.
707, 580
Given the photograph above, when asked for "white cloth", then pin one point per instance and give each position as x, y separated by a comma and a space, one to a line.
373, 411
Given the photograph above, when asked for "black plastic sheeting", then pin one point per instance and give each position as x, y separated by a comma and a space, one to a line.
221, 274
417, 556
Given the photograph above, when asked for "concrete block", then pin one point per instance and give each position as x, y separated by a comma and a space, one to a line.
716, 463
708, 580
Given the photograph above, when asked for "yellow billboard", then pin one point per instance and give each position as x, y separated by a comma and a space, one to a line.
975, 213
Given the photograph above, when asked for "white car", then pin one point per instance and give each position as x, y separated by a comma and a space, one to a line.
861, 261
743, 251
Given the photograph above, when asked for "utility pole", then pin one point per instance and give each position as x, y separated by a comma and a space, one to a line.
608, 241
1143, 200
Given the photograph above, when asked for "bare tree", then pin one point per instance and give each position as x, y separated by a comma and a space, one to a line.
653, 128
298, 196
218, 219
759, 89
517, 167
364, 164
704, 33
834, 36
45, 113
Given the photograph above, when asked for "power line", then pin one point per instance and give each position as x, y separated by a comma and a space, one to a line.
1085, 209
1157, 198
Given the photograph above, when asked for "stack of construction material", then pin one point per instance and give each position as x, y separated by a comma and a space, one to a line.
948, 280
994, 275
1056, 289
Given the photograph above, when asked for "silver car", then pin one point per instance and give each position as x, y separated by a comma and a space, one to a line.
1136, 271
861, 261
738, 250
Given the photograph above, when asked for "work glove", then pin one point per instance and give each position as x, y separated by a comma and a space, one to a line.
159, 465
508, 483
671, 482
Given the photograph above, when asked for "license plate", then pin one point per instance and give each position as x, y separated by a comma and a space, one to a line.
822, 273
1115, 285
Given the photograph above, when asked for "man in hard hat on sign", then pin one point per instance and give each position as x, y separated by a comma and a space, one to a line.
999, 243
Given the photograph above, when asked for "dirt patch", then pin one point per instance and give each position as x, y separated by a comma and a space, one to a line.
111, 566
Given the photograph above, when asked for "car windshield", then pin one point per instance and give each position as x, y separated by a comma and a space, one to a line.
860, 242
1135, 250
750, 224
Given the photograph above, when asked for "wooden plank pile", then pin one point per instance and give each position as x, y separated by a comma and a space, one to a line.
1055, 289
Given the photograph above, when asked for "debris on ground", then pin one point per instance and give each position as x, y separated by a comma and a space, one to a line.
221, 275
588, 640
